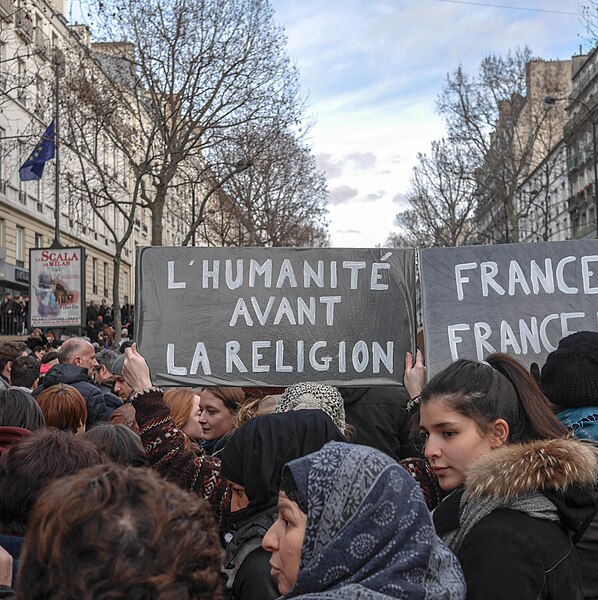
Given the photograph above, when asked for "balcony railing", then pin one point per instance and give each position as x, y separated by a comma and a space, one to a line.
7, 9
24, 24
43, 45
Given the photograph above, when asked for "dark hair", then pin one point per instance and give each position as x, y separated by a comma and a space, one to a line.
63, 407
24, 371
49, 356
119, 443
11, 350
27, 466
18, 408
122, 533
500, 389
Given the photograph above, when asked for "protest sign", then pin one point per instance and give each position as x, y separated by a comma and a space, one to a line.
515, 298
57, 287
275, 316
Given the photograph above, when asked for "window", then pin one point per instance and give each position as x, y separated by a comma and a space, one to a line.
38, 240
94, 275
2, 156
105, 279
3, 63
21, 159
20, 247
1, 232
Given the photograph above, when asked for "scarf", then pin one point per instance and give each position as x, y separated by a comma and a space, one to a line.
259, 449
369, 534
473, 510
214, 447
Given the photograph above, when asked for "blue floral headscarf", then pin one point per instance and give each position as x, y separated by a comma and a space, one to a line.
369, 534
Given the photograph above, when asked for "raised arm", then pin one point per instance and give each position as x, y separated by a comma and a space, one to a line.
163, 441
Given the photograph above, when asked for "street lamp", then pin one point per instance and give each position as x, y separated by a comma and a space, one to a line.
551, 101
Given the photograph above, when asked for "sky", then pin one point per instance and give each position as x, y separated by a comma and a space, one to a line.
373, 69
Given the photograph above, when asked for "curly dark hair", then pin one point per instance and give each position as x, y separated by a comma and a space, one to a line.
120, 533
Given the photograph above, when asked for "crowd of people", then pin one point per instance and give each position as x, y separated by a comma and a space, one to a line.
479, 483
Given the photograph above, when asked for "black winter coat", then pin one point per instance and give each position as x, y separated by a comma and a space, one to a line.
380, 419
78, 378
510, 554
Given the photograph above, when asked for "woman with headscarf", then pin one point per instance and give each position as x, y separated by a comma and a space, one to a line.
352, 524
302, 396
252, 462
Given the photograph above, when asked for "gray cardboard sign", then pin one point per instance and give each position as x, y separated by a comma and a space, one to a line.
275, 316
515, 298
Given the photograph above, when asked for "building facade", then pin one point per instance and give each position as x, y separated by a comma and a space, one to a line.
526, 132
34, 36
581, 109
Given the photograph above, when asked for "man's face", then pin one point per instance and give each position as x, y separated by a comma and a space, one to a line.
102, 375
121, 388
87, 358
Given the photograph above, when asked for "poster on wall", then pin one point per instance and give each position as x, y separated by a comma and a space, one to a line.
515, 298
57, 287
275, 316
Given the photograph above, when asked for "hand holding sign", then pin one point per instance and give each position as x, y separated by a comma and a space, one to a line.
135, 371
415, 374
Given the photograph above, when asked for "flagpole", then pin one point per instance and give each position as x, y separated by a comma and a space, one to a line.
57, 63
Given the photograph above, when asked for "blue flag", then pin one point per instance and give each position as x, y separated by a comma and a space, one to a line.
33, 168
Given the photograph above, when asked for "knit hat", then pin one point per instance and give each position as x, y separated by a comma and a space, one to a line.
106, 358
570, 376
118, 365
309, 396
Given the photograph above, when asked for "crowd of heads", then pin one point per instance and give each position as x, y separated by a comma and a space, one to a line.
327, 514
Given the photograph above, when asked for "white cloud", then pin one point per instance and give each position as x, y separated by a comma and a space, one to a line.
341, 194
373, 71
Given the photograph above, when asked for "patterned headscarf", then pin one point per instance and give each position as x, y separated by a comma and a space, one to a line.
369, 534
301, 396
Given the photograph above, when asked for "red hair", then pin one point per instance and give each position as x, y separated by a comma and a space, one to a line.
63, 407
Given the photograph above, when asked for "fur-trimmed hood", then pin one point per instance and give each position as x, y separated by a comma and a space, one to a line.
515, 470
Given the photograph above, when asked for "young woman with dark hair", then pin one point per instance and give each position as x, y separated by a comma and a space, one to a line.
520, 487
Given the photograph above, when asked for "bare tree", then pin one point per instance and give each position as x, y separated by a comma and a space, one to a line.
504, 129
199, 71
105, 169
279, 201
442, 198
589, 19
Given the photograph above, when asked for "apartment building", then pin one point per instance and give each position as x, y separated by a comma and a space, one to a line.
35, 40
581, 108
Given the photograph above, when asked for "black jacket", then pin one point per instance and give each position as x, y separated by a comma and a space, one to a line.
78, 378
380, 419
249, 563
510, 554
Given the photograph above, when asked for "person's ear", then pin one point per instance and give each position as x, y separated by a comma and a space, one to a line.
500, 433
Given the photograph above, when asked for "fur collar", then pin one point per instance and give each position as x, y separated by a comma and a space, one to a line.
518, 469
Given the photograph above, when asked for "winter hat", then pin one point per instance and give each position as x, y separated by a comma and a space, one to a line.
106, 358
309, 396
570, 376
118, 365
